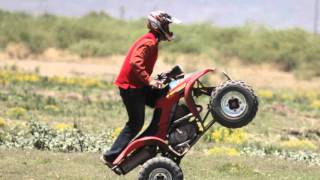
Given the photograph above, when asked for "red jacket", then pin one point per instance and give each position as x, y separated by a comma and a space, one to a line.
139, 62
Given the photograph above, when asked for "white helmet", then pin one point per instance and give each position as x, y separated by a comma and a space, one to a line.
159, 21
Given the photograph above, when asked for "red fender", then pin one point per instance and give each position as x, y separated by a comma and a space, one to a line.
138, 143
188, 90
166, 104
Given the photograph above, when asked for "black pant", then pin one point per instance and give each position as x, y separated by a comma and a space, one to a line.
134, 100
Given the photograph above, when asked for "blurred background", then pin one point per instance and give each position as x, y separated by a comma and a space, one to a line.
277, 14
58, 60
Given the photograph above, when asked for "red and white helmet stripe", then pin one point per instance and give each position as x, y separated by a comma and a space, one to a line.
159, 21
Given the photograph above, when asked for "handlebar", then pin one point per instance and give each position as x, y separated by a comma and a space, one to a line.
175, 73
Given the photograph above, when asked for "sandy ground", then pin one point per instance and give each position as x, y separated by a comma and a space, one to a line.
98, 67
260, 76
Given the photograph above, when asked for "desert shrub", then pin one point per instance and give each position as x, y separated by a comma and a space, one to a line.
17, 51
312, 158
16, 112
52, 109
40, 136
89, 48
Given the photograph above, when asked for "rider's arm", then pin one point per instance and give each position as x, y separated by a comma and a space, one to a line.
138, 62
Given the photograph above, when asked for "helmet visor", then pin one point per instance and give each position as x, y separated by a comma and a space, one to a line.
174, 20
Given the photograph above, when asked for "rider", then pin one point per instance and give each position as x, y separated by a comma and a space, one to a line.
135, 82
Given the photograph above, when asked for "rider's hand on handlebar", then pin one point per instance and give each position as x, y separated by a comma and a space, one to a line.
156, 84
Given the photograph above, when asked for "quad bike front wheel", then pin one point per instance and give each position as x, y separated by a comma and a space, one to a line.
233, 104
160, 168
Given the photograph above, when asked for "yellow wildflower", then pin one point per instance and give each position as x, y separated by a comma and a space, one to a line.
83, 82
315, 104
296, 143
13, 76
2, 122
287, 96
89, 82
116, 132
7, 77
223, 151
62, 126
267, 94
33, 78
236, 136
311, 95
216, 136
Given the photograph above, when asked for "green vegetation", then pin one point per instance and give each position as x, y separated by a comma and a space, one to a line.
80, 114
88, 106
91, 35
98, 34
63, 138
81, 102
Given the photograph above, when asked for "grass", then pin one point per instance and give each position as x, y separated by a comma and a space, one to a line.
62, 102
69, 100
17, 164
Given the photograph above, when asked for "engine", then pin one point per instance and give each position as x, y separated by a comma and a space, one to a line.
182, 133
184, 130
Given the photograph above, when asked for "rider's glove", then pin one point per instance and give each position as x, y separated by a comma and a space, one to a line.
156, 84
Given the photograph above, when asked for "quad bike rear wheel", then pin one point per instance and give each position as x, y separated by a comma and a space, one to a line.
233, 104
160, 168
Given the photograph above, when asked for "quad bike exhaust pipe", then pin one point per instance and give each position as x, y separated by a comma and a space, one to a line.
136, 159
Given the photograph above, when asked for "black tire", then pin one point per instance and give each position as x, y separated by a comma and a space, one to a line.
226, 101
160, 166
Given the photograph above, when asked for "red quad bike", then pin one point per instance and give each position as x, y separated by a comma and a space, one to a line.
178, 122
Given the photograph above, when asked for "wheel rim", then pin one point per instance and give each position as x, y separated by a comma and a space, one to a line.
233, 104
160, 174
